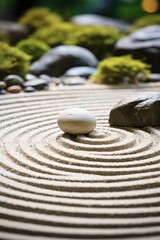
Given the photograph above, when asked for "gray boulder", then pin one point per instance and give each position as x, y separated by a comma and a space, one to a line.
84, 72
13, 31
142, 44
59, 59
97, 20
139, 110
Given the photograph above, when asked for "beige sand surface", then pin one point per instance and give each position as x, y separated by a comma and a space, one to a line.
105, 185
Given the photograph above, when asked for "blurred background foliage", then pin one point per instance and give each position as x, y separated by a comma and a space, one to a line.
127, 10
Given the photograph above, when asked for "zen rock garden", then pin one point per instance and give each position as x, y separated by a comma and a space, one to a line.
41, 48
79, 127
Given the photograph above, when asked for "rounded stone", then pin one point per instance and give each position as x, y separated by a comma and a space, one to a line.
12, 80
30, 77
142, 44
83, 71
2, 92
14, 89
29, 89
73, 80
76, 121
2, 85
13, 31
138, 110
154, 77
46, 78
38, 84
98, 20
59, 59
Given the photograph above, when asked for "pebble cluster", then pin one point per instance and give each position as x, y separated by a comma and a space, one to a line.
32, 83
17, 84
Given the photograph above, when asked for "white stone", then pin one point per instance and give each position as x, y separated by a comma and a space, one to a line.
76, 121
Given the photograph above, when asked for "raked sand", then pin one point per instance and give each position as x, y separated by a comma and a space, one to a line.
105, 185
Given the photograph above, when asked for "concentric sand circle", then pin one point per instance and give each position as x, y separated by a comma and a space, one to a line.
103, 185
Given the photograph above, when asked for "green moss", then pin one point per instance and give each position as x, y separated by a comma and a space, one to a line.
34, 48
98, 39
13, 61
146, 21
39, 17
55, 36
117, 69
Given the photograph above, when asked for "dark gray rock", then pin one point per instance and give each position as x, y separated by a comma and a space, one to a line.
94, 19
13, 31
142, 44
58, 60
38, 84
3, 92
3, 85
29, 89
11, 80
139, 110
84, 72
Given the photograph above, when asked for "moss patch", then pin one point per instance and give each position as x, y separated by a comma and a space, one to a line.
117, 69
39, 17
34, 48
56, 35
145, 21
98, 39
13, 61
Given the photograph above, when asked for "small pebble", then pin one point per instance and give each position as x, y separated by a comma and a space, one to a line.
47, 78
81, 71
73, 80
2, 92
154, 77
30, 76
29, 89
76, 121
38, 84
12, 80
2, 85
14, 89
